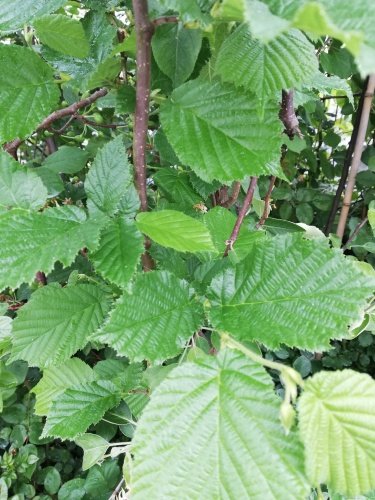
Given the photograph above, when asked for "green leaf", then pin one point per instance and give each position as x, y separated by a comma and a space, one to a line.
57, 322
79, 407
218, 132
119, 252
176, 50
305, 213
220, 222
174, 229
55, 234
337, 426
291, 291
63, 34
56, 380
176, 186
154, 320
330, 84
371, 215
285, 62
19, 187
216, 410
108, 177
67, 160
94, 448
17, 13
26, 83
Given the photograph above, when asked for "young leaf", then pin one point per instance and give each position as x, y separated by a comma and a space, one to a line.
19, 187
94, 448
62, 33
176, 186
176, 49
291, 291
216, 409
57, 379
108, 178
174, 229
27, 84
120, 248
79, 407
337, 426
55, 234
155, 320
17, 13
265, 69
57, 322
217, 130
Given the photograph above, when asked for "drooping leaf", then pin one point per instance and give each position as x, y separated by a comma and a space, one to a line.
19, 187
35, 241
337, 426
119, 251
57, 322
57, 379
66, 159
154, 320
285, 62
174, 229
217, 130
17, 13
108, 178
292, 291
79, 407
94, 448
216, 409
176, 49
26, 82
62, 33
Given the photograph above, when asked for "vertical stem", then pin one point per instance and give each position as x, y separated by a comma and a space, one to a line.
267, 199
288, 114
247, 201
346, 166
358, 148
144, 30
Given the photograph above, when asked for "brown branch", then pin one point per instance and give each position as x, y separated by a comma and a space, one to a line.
165, 19
245, 207
144, 29
358, 148
288, 115
11, 147
354, 234
346, 166
236, 188
267, 200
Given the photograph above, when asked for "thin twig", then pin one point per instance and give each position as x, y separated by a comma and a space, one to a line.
267, 200
165, 19
11, 147
288, 115
117, 490
85, 120
144, 30
354, 234
358, 148
346, 166
245, 207
236, 188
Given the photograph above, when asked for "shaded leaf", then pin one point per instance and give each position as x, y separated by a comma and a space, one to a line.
94, 448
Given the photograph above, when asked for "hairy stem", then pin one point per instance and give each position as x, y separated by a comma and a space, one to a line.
267, 200
236, 188
144, 29
245, 207
358, 148
288, 114
346, 166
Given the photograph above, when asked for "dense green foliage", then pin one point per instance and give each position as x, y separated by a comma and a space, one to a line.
174, 299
